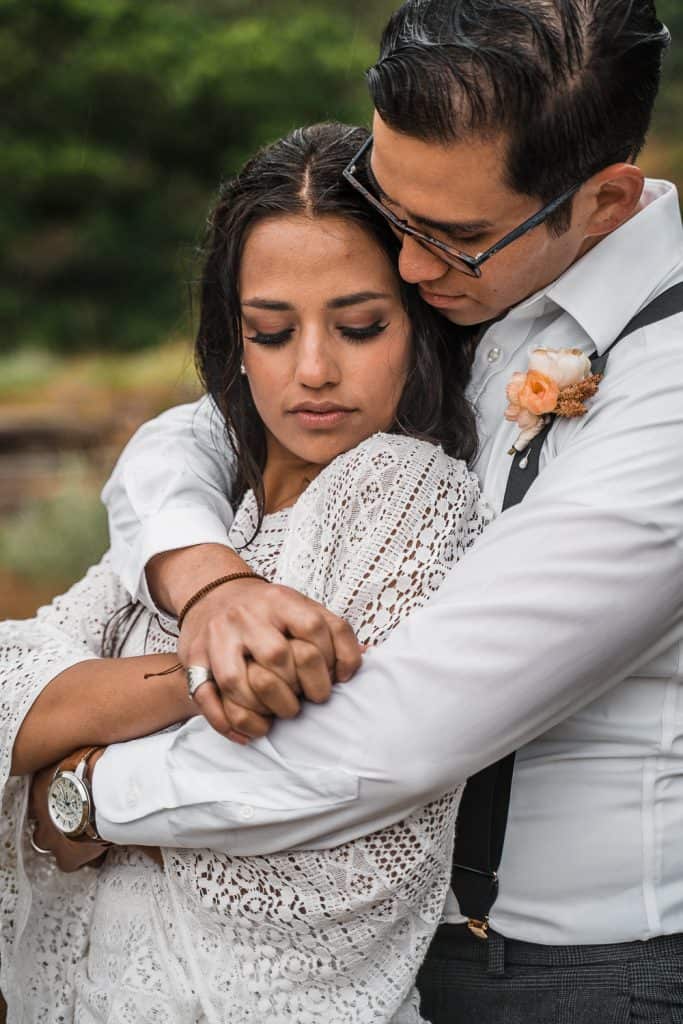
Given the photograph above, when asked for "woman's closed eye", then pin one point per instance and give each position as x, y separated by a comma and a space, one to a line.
356, 334
266, 338
363, 333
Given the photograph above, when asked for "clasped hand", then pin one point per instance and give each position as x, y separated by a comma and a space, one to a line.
268, 648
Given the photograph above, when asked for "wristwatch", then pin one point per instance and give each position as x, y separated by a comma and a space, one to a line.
69, 799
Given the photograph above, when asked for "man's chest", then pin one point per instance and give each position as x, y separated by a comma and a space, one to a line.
503, 351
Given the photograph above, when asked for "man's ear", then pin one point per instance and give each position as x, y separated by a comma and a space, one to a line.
613, 195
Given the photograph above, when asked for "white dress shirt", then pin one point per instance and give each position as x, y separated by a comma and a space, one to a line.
559, 635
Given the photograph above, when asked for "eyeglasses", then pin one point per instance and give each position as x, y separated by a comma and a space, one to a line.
462, 261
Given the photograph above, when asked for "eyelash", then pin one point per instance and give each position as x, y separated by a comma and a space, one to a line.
352, 334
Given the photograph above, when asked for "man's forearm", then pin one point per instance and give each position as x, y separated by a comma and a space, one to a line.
480, 671
174, 576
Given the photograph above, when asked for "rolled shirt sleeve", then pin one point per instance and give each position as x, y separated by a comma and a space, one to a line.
170, 489
563, 597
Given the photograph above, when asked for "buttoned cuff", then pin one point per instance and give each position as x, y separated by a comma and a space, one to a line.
124, 775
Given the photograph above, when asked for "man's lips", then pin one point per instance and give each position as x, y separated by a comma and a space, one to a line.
442, 301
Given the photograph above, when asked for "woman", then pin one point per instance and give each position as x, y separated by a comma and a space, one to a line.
344, 399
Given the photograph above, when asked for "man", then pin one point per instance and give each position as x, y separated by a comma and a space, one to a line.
560, 634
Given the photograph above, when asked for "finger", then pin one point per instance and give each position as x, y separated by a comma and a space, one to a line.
221, 648
314, 675
306, 620
272, 691
247, 724
271, 649
348, 653
208, 700
232, 681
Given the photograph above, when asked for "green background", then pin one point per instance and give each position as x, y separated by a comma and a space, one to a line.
121, 116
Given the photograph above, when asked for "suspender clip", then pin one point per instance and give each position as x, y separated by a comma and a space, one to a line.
479, 928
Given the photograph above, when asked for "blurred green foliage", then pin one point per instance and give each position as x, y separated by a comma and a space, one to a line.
54, 540
669, 115
120, 118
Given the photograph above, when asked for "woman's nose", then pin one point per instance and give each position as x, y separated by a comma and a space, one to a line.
316, 366
416, 264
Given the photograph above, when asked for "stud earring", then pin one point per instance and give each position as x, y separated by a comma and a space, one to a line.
243, 369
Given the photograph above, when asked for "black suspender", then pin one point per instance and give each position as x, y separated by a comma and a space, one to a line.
482, 818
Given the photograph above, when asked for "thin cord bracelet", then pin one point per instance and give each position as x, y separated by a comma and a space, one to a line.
212, 586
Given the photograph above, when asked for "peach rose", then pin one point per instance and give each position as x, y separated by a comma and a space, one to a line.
566, 366
517, 382
539, 393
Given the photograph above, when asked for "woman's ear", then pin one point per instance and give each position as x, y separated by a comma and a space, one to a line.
614, 195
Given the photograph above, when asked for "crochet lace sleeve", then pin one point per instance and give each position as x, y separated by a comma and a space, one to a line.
375, 534
32, 653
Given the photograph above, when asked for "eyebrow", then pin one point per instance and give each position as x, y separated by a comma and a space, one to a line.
456, 228
342, 302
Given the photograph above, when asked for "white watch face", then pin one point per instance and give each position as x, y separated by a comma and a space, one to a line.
67, 803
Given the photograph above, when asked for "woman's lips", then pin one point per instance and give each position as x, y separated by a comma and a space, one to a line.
320, 420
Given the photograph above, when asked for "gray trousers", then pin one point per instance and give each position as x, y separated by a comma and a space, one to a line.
465, 980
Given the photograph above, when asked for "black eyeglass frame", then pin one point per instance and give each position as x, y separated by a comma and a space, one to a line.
465, 263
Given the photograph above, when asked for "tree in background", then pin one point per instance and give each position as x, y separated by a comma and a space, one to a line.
121, 117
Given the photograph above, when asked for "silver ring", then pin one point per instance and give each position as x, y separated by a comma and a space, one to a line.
32, 825
197, 675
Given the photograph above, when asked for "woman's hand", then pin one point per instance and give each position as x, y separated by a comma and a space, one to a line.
70, 856
268, 646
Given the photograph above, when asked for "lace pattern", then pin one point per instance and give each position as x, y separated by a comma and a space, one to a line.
334, 935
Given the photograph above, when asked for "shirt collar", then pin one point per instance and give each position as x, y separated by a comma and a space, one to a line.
606, 288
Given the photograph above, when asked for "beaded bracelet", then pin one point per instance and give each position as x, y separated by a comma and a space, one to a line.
212, 586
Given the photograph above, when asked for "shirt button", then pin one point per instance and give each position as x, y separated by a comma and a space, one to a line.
247, 812
133, 794
493, 355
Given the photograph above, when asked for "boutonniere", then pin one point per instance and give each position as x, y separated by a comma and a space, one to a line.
557, 383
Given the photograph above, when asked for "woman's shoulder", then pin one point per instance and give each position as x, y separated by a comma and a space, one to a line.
393, 474
390, 457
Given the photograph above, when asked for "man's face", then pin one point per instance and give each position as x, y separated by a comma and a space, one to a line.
457, 193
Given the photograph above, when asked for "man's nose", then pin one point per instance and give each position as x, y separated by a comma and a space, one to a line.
316, 366
417, 265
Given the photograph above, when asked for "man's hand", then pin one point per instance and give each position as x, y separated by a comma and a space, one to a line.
70, 856
267, 646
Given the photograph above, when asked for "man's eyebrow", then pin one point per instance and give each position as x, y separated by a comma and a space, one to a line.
355, 299
456, 228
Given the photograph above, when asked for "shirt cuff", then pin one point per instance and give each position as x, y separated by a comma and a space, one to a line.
190, 787
118, 794
169, 530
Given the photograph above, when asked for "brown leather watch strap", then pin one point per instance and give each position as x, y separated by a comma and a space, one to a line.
72, 761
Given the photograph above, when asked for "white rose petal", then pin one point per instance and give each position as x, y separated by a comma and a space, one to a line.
566, 366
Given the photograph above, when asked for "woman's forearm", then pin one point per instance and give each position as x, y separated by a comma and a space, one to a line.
99, 702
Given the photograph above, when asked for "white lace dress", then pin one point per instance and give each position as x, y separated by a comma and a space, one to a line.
333, 936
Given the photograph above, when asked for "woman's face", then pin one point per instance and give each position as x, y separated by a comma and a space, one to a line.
326, 338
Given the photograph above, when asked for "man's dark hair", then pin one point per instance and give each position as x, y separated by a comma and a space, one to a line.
572, 83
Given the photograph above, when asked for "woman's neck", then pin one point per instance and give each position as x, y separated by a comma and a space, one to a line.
285, 477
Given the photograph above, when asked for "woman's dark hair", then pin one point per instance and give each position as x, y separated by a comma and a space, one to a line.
572, 83
302, 174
